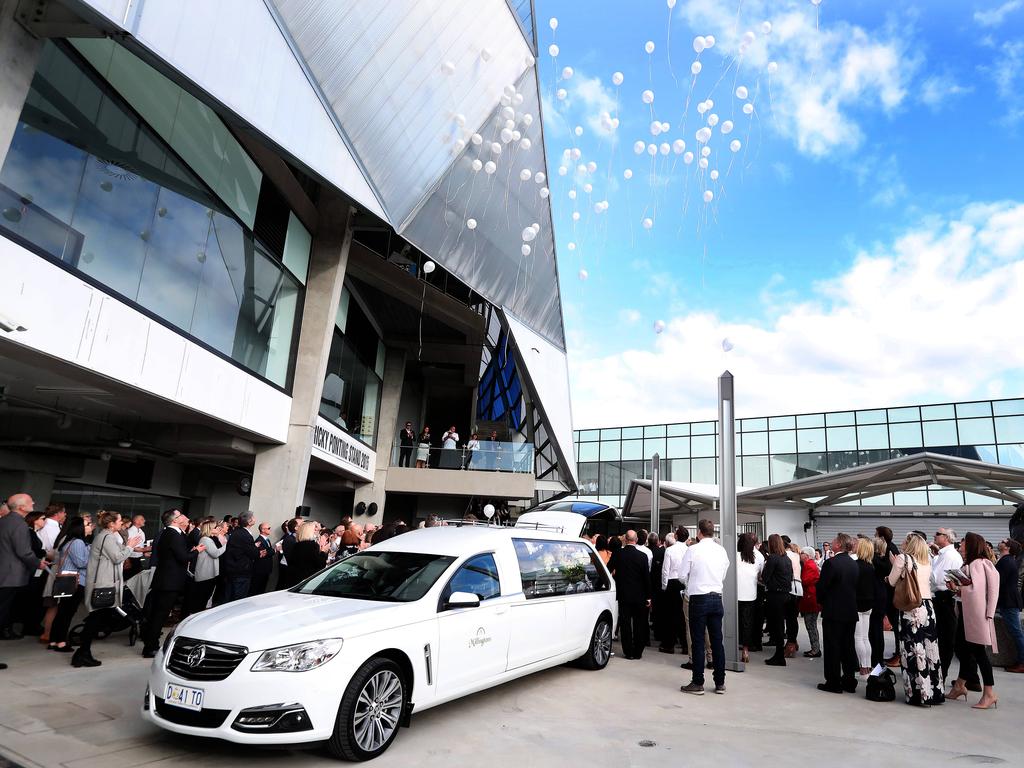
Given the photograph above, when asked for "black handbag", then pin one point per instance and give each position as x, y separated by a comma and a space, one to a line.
102, 597
881, 687
65, 584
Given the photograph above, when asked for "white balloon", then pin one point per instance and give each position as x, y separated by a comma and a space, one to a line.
476, 164
598, 208
553, 50
727, 345
815, 2
470, 223
429, 267
699, 43
553, 23
688, 158
655, 128
448, 68
506, 135
540, 177
649, 46
525, 175
628, 173
567, 72
571, 246
510, 124
575, 153
583, 275
727, 127
659, 326
702, 108
525, 250
703, 162
709, 104
562, 170
712, 120
665, 127
742, 92
678, 146
696, 67
528, 234
572, 194
490, 167
705, 151
588, 188
714, 175
639, 147
748, 37
647, 223
561, 93
735, 145
703, 135
495, 148
670, 3
709, 41
578, 130
516, 135
652, 149
766, 27
617, 78
748, 108
460, 120
591, 166
544, 192
647, 96
773, 67
485, 54
527, 119
505, 100
575, 217
708, 195
477, 139
581, 168
665, 148
530, 61
525, 143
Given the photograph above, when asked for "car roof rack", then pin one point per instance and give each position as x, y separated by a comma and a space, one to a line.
527, 525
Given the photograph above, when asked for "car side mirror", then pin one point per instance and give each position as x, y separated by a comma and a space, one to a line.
462, 600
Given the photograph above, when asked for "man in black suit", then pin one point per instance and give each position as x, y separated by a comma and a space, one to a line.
837, 594
264, 564
287, 542
632, 572
406, 441
236, 564
169, 579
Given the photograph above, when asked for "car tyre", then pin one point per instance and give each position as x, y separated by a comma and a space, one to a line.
600, 650
370, 712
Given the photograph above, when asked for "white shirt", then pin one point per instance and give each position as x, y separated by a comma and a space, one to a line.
646, 551
746, 576
704, 568
473, 445
48, 533
671, 566
948, 559
450, 440
134, 531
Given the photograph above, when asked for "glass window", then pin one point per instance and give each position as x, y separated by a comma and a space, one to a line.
632, 449
630, 433
911, 498
610, 450
882, 500
753, 425
905, 435
781, 422
297, 244
478, 576
986, 453
782, 467
677, 447
657, 430
904, 414
810, 440
679, 470
783, 441
703, 428
842, 460
810, 420
812, 464
755, 471
1008, 407
970, 410
872, 437
631, 470
558, 568
703, 471
873, 456
609, 481
974, 431
841, 438
840, 419
1012, 455
945, 498
655, 446
754, 443
871, 417
1009, 429
588, 476
677, 430
588, 451
940, 433
589, 434
703, 445
932, 412
397, 577
977, 499
611, 434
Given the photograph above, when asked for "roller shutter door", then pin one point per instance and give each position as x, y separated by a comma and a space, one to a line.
993, 529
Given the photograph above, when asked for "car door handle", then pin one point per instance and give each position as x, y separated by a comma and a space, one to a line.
499, 610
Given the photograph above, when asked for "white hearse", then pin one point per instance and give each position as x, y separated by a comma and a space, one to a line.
347, 656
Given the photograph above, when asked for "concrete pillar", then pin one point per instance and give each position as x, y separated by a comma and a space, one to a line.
279, 475
387, 433
19, 54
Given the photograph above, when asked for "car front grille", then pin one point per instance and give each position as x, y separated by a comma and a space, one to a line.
205, 661
206, 718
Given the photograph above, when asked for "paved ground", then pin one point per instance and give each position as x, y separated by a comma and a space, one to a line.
631, 714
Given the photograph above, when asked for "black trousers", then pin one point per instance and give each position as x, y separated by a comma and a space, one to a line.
7, 597
775, 612
792, 619
972, 657
840, 653
673, 627
161, 604
197, 595
945, 623
94, 622
404, 455
633, 628
258, 584
893, 614
28, 605
66, 609
876, 628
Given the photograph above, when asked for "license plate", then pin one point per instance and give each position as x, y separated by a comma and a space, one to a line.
184, 697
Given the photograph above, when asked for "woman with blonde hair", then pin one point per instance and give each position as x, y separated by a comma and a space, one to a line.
207, 569
308, 555
865, 553
917, 633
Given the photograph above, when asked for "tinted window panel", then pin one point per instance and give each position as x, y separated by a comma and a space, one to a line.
558, 568
478, 576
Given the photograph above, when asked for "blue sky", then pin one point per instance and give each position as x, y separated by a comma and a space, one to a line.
877, 194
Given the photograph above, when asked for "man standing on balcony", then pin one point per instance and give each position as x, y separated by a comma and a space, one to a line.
406, 441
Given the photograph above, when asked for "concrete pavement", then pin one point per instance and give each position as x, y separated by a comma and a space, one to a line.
632, 714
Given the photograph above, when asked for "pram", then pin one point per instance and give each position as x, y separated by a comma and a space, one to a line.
115, 622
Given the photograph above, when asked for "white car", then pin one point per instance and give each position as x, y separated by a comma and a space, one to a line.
418, 620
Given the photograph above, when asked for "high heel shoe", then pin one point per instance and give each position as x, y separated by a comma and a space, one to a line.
745, 657
956, 692
991, 705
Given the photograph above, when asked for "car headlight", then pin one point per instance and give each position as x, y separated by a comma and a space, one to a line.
298, 658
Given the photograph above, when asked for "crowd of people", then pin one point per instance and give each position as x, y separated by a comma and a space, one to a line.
938, 598
486, 454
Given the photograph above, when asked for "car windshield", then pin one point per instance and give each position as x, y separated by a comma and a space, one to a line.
399, 577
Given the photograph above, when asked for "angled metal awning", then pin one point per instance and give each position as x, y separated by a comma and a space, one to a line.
675, 498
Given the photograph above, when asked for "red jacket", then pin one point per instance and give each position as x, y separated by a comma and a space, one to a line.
809, 575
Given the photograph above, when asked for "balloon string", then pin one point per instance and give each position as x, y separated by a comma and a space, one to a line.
668, 48
423, 299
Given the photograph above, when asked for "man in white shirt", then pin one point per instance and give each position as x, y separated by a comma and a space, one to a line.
672, 593
136, 530
55, 517
704, 569
947, 559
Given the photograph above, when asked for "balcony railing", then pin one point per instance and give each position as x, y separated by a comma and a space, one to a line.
489, 457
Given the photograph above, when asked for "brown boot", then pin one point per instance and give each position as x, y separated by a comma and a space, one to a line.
1018, 667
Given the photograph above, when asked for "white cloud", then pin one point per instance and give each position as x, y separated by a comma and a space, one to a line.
995, 16
937, 90
629, 316
930, 317
596, 99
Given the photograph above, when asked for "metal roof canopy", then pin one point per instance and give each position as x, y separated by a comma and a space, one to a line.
849, 485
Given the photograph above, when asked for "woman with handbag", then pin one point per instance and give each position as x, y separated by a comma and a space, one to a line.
207, 569
777, 576
917, 633
104, 581
975, 629
796, 591
865, 554
809, 606
69, 574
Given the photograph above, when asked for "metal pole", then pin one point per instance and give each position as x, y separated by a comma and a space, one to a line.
655, 493
727, 515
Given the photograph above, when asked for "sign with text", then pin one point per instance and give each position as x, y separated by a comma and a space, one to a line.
341, 450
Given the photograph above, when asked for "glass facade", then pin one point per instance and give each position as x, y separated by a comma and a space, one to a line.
90, 183
780, 448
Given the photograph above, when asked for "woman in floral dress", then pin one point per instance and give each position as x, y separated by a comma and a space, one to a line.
918, 644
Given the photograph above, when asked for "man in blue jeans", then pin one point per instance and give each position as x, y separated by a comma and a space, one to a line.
1010, 599
704, 568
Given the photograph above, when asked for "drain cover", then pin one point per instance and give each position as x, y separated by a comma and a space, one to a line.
648, 743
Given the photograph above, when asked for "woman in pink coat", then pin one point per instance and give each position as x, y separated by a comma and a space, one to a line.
975, 629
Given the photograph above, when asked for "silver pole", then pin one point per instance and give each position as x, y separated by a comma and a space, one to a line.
655, 493
727, 515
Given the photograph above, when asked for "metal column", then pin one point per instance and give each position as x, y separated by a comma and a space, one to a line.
727, 515
656, 494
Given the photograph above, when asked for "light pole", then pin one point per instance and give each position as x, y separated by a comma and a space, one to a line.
655, 493
727, 514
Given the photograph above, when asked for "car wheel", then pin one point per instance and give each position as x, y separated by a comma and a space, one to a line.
370, 711
600, 649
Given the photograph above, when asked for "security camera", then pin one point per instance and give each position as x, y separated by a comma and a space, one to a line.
7, 324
